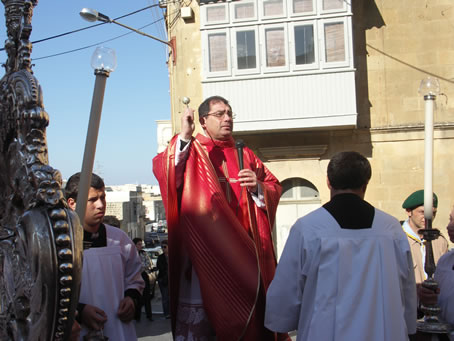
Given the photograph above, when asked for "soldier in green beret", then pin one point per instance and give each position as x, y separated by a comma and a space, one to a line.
414, 206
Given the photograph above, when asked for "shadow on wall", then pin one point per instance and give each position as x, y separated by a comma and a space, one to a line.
366, 15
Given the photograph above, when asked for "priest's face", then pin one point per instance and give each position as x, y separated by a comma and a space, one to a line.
219, 121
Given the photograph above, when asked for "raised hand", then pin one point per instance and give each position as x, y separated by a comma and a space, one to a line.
187, 124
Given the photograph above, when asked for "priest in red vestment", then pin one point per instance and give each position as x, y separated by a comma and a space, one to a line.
221, 255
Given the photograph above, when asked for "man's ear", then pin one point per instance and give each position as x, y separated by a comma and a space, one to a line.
202, 121
71, 203
328, 183
408, 212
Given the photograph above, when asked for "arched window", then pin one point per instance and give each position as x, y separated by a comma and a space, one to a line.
299, 197
299, 189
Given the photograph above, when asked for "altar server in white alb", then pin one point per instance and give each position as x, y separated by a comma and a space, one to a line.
111, 284
346, 272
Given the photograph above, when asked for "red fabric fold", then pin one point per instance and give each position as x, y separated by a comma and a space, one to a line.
229, 245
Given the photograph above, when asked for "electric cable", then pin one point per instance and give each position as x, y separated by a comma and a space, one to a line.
87, 27
96, 44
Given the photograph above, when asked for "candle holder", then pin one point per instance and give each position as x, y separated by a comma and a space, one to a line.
429, 324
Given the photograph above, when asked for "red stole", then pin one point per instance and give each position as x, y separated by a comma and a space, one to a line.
230, 248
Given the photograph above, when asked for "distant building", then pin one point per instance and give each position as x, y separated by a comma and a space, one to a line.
125, 202
135, 206
154, 208
164, 133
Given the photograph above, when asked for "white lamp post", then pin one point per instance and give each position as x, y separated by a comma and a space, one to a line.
103, 61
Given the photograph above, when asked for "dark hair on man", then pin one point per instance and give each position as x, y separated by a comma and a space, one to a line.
349, 170
204, 108
136, 240
164, 242
72, 186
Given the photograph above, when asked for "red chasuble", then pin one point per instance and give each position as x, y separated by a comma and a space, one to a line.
214, 222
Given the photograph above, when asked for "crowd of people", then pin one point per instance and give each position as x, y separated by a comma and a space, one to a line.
349, 271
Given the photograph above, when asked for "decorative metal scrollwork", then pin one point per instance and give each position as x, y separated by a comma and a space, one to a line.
40, 238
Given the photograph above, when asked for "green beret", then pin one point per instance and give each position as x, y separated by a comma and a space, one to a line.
417, 199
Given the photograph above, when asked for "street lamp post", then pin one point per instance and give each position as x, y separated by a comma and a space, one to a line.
92, 15
429, 88
103, 61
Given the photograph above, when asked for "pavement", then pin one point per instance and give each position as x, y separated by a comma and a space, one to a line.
159, 329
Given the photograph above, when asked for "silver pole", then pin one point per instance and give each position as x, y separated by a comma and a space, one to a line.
90, 143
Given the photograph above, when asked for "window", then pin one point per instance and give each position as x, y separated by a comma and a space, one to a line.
304, 44
335, 43
244, 10
273, 8
275, 47
252, 37
217, 45
298, 189
217, 57
245, 48
302, 6
333, 5
216, 14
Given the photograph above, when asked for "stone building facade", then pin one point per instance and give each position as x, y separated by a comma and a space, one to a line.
310, 78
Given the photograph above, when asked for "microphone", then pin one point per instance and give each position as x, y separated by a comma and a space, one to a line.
239, 144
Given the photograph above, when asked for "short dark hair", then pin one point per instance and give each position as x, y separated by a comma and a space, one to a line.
136, 240
164, 242
72, 186
349, 170
204, 108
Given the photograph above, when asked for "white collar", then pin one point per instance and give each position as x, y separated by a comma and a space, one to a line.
409, 231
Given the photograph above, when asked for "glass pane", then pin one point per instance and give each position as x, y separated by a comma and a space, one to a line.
333, 4
308, 192
217, 47
216, 13
304, 44
275, 47
244, 11
273, 8
334, 42
302, 6
287, 193
245, 49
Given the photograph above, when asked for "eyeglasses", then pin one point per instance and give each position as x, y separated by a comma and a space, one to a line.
220, 114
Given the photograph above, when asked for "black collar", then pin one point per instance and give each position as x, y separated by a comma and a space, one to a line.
350, 211
97, 239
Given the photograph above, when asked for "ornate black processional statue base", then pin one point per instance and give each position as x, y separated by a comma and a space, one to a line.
40, 238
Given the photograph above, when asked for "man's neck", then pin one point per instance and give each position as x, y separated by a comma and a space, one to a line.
414, 227
358, 192
92, 228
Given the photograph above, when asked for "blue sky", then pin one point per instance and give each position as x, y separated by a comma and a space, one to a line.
137, 92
